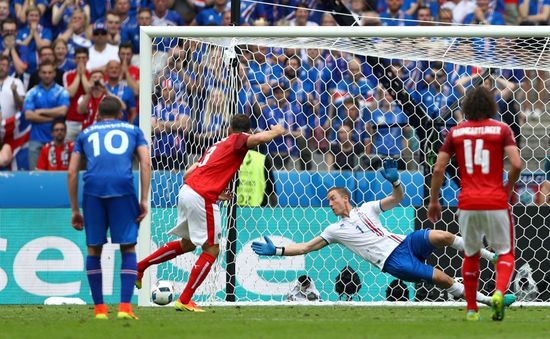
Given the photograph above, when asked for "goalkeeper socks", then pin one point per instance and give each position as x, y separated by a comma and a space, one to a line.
198, 274
168, 251
95, 278
505, 268
458, 244
470, 276
128, 274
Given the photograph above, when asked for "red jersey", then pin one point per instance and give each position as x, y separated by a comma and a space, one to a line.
218, 165
93, 105
479, 149
55, 158
72, 113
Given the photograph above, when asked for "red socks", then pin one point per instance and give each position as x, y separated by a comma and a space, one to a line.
470, 276
198, 274
505, 268
168, 251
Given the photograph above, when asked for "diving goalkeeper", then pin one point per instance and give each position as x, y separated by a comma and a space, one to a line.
361, 231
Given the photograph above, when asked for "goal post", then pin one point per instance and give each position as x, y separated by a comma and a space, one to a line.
396, 67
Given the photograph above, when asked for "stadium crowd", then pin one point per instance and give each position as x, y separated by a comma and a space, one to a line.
59, 58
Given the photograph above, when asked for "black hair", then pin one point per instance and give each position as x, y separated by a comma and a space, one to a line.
240, 123
479, 104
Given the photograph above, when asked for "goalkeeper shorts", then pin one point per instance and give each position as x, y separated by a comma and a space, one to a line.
406, 262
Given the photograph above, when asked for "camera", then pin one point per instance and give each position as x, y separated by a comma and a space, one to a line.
97, 83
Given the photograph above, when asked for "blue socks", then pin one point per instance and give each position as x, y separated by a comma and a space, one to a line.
128, 274
95, 278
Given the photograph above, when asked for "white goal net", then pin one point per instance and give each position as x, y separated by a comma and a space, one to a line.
349, 98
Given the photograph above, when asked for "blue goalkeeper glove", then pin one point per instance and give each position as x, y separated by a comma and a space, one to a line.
267, 248
389, 172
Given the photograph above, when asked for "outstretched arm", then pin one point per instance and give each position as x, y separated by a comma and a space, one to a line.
268, 248
516, 164
74, 167
145, 179
389, 172
265, 136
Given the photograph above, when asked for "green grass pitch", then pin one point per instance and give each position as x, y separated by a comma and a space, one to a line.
271, 322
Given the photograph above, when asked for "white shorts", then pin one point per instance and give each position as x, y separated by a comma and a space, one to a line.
197, 221
495, 225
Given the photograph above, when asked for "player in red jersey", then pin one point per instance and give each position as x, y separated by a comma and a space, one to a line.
199, 220
479, 144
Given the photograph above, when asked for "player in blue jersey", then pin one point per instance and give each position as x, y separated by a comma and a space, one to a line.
109, 200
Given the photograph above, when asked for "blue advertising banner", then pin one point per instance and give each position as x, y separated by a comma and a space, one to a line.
271, 278
41, 256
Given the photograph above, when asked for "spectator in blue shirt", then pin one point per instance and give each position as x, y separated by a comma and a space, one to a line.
212, 16
22, 7
278, 112
349, 114
252, 11
169, 124
162, 16
213, 122
127, 21
484, 15
438, 96
44, 103
78, 32
409, 7
395, 15
356, 84
62, 60
131, 33
33, 36
534, 12
99, 9
9, 47
387, 127
121, 91
62, 13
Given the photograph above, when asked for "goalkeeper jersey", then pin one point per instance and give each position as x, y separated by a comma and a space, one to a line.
363, 234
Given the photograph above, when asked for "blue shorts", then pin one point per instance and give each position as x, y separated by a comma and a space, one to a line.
118, 214
406, 262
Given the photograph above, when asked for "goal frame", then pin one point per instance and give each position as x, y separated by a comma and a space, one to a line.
148, 33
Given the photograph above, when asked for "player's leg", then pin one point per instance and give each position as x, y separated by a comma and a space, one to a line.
188, 200
198, 273
122, 213
443, 238
471, 228
128, 272
95, 280
95, 219
500, 236
202, 214
167, 252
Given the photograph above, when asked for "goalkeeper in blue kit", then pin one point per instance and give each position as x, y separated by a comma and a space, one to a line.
361, 231
109, 199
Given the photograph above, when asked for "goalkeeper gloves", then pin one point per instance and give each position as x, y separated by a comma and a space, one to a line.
267, 248
389, 172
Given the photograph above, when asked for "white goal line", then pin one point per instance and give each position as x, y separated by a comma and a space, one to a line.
363, 303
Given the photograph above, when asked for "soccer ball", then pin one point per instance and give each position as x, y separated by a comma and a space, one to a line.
162, 293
